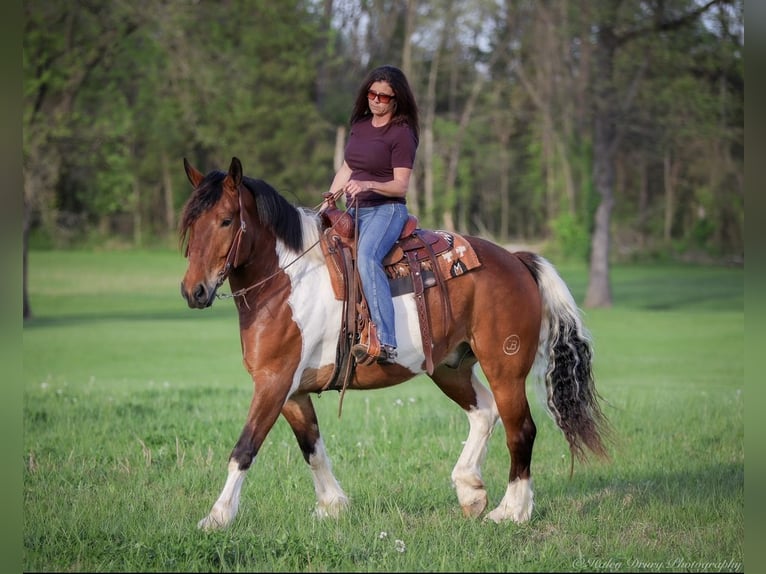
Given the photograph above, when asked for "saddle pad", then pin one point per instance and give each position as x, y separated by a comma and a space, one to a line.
459, 259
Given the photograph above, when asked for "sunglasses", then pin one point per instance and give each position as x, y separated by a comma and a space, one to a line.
384, 98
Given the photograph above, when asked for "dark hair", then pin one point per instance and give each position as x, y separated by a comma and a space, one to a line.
405, 107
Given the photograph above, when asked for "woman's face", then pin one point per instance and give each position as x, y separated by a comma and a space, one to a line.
381, 98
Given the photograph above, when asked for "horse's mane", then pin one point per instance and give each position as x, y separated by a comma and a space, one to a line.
273, 210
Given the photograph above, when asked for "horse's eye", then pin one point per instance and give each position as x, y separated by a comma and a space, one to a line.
226, 222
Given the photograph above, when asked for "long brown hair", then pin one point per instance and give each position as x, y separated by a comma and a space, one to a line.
405, 106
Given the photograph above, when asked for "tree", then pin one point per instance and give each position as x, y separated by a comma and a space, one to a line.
63, 45
612, 34
540, 120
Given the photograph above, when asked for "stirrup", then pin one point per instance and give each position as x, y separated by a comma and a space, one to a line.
386, 356
362, 354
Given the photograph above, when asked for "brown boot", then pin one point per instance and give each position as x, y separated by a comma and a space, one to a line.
367, 350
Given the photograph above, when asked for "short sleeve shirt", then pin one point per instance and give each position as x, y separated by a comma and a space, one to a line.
373, 153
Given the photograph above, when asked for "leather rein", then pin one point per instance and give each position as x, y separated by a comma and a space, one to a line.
231, 256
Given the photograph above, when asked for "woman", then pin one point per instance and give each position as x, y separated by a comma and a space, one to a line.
378, 162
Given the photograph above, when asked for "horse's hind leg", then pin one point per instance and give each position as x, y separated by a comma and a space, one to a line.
463, 387
510, 396
299, 413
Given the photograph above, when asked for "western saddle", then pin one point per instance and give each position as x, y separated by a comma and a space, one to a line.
411, 265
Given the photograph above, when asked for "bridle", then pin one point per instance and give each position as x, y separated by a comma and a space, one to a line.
233, 253
231, 256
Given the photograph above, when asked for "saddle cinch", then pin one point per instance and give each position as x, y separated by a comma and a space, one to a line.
420, 259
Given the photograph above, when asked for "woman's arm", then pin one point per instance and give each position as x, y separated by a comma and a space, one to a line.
397, 187
341, 179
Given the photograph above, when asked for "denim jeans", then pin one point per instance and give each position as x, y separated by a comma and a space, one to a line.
379, 228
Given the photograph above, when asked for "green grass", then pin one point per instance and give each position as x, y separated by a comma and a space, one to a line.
132, 403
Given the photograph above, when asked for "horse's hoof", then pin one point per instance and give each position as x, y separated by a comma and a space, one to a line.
331, 509
476, 506
502, 514
210, 523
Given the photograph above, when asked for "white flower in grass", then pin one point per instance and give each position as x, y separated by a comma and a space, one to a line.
382, 535
398, 402
399, 545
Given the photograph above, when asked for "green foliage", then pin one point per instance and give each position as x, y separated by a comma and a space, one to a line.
117, 94
132, 403
571, 238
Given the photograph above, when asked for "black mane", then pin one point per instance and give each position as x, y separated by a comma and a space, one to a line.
272, 210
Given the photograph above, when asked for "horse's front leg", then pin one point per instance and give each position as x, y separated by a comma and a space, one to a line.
267, 402
300, 414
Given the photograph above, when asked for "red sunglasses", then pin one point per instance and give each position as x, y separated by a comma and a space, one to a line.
384, 98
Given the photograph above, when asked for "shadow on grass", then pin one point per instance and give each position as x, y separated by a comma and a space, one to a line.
95, 317
699, 487
702, 288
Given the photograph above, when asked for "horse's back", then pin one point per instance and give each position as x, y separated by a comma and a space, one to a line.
505, 275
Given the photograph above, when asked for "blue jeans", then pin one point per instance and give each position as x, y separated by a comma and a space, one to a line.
379, 228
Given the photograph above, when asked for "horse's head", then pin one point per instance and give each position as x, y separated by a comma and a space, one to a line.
228, 220
212, 226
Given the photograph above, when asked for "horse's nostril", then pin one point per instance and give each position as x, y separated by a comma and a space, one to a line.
200, 293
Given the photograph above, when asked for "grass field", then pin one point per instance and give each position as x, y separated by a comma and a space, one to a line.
132, 403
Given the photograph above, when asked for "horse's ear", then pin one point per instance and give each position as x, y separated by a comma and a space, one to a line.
195, 177
235, 171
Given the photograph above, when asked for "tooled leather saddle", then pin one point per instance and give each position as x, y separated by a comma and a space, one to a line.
419, 259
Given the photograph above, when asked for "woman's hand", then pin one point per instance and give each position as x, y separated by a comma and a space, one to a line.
355, 186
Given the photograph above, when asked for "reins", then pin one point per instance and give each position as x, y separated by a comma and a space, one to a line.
234, 249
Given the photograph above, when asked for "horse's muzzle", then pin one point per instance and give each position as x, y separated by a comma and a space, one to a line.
200, 297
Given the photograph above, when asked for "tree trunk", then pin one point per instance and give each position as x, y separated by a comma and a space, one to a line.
599, 292
167, 185
340, 145
409, 27
137, 218
25, 265
669, 177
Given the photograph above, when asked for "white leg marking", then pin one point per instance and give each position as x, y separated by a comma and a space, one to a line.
517, 503
331, 500
225, 508
466, 476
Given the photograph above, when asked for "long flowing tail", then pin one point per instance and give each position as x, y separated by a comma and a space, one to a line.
563, 366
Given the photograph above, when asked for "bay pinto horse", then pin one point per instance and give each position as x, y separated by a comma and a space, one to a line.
513, 315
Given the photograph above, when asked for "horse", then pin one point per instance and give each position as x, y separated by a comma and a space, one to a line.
513, 316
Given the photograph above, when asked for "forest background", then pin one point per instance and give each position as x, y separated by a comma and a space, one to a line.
596, 130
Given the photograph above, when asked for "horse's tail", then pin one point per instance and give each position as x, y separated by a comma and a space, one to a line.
563, 365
